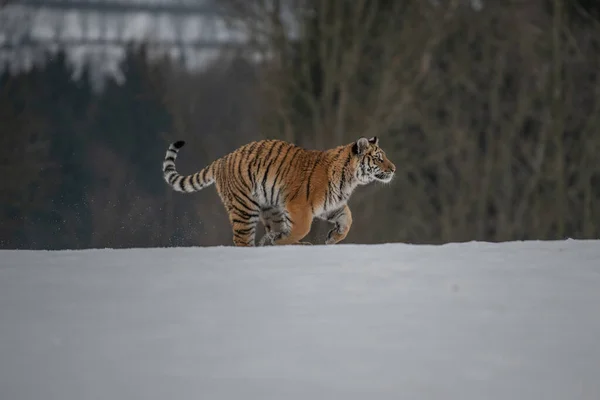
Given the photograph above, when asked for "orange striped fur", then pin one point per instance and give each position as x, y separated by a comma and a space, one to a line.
285, 186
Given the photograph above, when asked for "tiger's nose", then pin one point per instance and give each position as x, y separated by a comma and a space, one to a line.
393, 168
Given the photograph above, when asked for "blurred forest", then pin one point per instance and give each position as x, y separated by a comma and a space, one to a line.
491, 115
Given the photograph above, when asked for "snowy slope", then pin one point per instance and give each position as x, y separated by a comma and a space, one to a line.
459, 321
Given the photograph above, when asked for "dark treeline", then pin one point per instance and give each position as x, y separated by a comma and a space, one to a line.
83, 168
492, 118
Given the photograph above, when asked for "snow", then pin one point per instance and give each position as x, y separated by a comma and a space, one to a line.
516, 320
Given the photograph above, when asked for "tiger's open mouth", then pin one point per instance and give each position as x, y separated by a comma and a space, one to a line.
384, 176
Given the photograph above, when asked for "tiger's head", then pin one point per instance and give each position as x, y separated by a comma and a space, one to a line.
373, 165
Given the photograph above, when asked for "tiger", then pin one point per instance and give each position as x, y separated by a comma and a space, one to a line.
285, 186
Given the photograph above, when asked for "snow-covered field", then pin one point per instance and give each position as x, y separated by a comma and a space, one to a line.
461, 321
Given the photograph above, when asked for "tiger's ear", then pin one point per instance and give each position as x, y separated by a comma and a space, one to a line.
374, 140
360, 146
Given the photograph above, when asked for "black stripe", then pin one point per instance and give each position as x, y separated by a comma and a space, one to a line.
296, 193
250, 147
246, 231
234, 183
259, 151
240, 176
241, 202
268, 154
229, 165
188, 182
251, 176
252, 167
243, 213
311, 174
343, 177
239, 199
243, 193
289, 219
265, 160
330, 193
288, 169
213, 170
227, 175
239, 235
266, 174
250, 221
218, 172
336, 214
278, 172
196, 181
289, 166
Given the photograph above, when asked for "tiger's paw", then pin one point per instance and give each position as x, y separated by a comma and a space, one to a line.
267, 240
332, 237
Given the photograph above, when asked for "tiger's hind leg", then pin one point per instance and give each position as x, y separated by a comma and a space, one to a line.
241, 207
244, 228
243, 219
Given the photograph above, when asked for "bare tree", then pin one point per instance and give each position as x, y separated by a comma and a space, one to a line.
481, 118
335, 70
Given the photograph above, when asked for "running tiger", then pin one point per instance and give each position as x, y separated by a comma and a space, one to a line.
286, 186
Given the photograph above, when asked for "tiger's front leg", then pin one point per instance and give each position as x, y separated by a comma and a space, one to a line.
271, 235
288, 227
342, 218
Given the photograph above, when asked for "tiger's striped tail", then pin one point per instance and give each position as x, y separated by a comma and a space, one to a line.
186, 184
